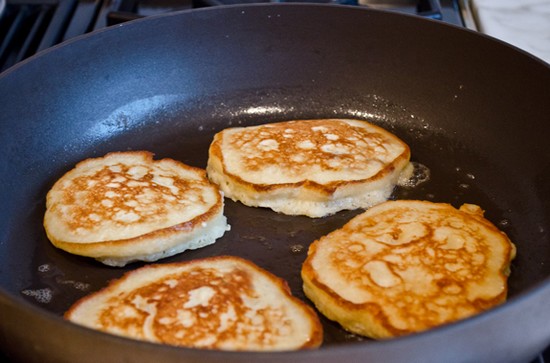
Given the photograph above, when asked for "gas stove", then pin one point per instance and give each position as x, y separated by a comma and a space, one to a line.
30, 26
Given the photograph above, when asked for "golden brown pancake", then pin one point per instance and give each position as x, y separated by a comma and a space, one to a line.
407, 266
225, 303
126, 206
308, 167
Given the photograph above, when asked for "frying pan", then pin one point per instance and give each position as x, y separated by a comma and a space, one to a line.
474, 111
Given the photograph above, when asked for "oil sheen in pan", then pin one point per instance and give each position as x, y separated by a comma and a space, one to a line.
276, 242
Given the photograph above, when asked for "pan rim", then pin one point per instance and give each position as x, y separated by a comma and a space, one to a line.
467, 324
243, 7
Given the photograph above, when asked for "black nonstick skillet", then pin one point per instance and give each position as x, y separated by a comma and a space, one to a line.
475, 112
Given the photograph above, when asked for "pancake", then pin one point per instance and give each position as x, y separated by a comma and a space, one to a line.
127, 207
406, 266
224, 303
308, 167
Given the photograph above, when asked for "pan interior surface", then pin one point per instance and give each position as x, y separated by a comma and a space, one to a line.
479, 129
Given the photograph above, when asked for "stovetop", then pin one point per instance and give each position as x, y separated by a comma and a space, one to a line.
29, 26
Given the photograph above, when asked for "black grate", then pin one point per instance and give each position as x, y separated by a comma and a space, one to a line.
29, 26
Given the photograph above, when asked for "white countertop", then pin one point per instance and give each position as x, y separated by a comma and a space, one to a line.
523, 23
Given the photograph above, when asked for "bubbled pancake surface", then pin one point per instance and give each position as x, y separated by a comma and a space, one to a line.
407, 266
310, 167
126, 204
221, 302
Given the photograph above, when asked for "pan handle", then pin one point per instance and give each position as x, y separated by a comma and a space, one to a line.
338, 2
429, 9
426, 8
117, 17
